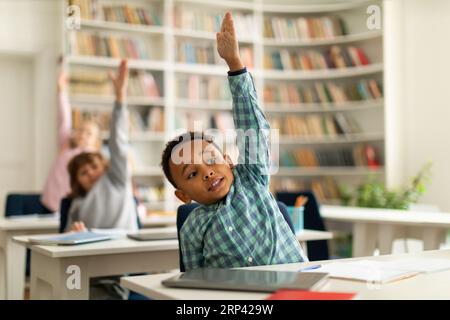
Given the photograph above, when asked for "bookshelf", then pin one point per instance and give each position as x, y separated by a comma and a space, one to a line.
178, 37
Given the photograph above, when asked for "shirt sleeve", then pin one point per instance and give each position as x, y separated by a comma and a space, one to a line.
118, 145
252, 128
191, 247
64, 120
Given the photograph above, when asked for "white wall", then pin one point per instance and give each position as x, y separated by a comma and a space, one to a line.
424, 69
33, 29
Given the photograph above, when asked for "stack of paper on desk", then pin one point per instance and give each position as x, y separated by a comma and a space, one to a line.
382, 271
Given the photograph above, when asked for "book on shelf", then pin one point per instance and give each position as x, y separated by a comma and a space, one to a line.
195, 121
315, 125
139, 120
96, 82
324, 188
88, 8
304, 28
196, 20
131, 15
335, 57
149, 194
320, 92
206, 53
197, 87
361, 155
92, 44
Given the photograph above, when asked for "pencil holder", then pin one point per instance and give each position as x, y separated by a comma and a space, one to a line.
296, 214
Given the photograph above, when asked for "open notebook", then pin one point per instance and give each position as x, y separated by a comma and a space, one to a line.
383, 271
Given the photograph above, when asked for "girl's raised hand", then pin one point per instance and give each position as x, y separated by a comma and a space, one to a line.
120, 81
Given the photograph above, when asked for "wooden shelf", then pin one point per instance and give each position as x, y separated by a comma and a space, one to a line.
327, 171
340, 139
312, 8
152, 171
214, 105
125, 27
92, 99
320, 107
204, 35
108, 62
324, 73
197, 68
322, 42
141, 136
229, 4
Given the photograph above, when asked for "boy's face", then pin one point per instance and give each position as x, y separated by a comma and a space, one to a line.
200, 172
89, 173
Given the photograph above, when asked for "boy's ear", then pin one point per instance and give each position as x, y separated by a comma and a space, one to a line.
228, 160
182, 196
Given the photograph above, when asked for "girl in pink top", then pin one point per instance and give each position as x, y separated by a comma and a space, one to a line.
70, 144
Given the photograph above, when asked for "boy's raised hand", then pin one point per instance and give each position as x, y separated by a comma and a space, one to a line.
227, 44
120, 81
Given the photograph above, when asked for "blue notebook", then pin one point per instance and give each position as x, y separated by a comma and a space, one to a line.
71, 238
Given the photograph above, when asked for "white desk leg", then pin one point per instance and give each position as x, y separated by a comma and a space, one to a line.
15, 270
364, 239
433, 237
304, 246
49, 279
387, 233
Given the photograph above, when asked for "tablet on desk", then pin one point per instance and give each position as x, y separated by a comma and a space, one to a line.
71, 238
159, 235
246, 280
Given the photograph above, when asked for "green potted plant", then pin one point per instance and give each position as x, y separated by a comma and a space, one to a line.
373, 193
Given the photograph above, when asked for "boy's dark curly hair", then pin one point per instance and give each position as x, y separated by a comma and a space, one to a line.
185, 137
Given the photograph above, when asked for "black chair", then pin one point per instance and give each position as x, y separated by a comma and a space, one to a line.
22, 204
64, 213
317, 250
185, 209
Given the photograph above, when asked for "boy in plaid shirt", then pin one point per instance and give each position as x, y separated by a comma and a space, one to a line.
238, 223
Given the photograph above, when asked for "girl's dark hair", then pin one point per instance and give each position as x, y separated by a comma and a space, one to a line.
185, 137
74, 166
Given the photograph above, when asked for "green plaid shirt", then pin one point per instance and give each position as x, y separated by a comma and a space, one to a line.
246, 228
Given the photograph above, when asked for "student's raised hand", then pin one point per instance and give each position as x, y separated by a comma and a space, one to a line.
120, 81
62, 80
227, 44
78, 226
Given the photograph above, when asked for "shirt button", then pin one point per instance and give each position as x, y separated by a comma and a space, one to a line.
230, 229
250, 259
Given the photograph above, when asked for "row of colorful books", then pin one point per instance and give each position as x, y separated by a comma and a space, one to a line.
360, 155
331, 58
142, 120
96, 82
187, 19
190, 52
304, 27
91, 44
196, 87
131, 15
323, 92
324, 189
315, 125
88, 8
149, 194
198, 121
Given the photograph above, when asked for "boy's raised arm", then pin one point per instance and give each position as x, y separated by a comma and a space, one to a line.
249, 120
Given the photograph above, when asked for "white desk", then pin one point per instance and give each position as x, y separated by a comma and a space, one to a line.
50, 264
12, 255
374, 228
423, 286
